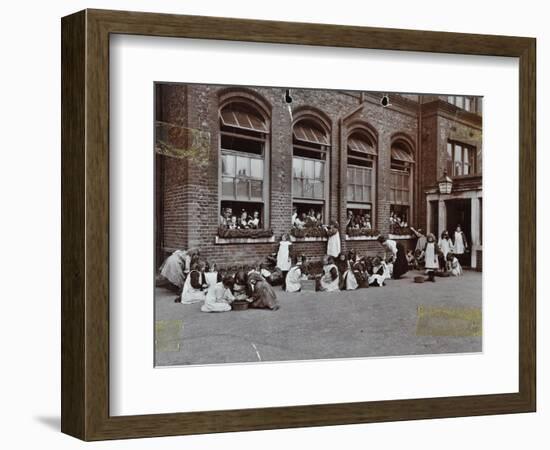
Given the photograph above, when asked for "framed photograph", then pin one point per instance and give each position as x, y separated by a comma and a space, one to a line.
273, 225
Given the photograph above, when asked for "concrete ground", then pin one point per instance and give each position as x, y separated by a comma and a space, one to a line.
402, 318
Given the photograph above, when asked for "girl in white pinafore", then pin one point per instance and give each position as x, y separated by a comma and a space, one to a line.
431, 257
460, 243
454, 265
445, 244
330, 280
333, 245
283, 257
193, 288
218, 296
294, 277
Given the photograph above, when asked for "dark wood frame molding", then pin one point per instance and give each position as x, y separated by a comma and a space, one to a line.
85, 224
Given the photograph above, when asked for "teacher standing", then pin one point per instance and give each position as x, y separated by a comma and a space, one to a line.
400, 265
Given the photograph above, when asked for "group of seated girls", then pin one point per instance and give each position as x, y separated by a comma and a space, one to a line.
358, 221
346, 272
244, 221
218, 289
305, 220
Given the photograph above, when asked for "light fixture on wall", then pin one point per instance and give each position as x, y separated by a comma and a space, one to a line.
445, 183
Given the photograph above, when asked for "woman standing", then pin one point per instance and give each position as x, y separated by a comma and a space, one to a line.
400, 264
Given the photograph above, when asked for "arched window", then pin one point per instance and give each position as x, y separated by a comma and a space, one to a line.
361, 178
401, 183
244, 134
310, 145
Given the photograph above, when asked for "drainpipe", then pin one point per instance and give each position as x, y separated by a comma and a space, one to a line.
418, 170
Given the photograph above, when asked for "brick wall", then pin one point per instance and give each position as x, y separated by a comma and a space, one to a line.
191, 193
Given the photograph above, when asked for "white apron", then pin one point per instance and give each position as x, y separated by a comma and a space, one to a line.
189, 294
283, 256
351, 280
375, 278
217, 299
456, 268
333, 245
430, 257
446, 246
327, 283
293, 279
459, 243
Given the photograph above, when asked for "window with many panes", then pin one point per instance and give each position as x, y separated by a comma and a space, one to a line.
463, 102
361, 172
309, 164
401, 182
243, 139
461, 159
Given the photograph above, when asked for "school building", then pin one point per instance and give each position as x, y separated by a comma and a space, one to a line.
276, 150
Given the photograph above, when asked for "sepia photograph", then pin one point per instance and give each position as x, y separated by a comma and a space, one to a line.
296, 224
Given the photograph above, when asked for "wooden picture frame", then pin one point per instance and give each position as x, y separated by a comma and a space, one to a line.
85, 224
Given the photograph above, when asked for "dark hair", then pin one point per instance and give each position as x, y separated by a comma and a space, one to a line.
228, 281
382, 239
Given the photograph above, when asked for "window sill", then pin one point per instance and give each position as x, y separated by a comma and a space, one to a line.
397, 237
361, 238
308, 239
244, 240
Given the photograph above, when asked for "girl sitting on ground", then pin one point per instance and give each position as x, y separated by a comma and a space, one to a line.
379, 272
348, 282
219, 295
330, 278
261, 293
295, 276
453, 265
194, 287
240, 286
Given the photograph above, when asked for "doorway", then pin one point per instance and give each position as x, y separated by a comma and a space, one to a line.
459, 212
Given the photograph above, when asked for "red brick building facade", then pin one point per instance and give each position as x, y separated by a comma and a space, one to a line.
270, 150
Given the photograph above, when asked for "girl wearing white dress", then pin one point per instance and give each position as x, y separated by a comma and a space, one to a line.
460, 243
445, 244
454, 265
333, 245
330, 280
219, 295
431, 256
193, 288
283, 257
295, 276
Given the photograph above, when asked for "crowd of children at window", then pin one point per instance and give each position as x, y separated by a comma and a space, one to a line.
217, 289
245, 220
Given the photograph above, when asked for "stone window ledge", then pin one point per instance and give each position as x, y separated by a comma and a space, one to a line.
361, 238
308, 239
243, 240
397, 237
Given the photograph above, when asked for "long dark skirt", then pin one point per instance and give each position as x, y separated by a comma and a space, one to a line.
400, 265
